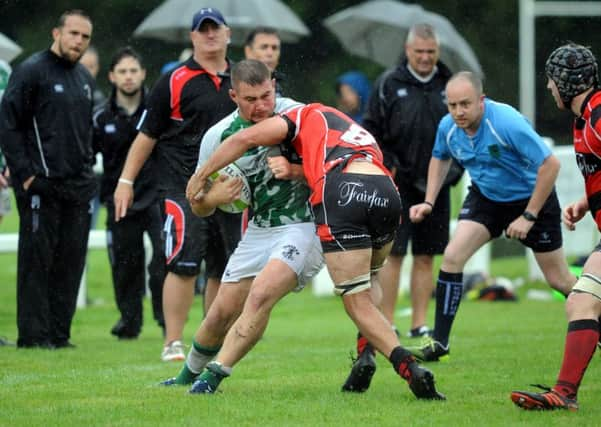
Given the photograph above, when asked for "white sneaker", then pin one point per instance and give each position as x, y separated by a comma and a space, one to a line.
174, 351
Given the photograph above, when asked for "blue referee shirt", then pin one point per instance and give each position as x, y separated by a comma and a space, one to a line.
503, 156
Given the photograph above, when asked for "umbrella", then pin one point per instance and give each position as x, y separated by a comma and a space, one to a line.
171, 20
8, 49
377, 30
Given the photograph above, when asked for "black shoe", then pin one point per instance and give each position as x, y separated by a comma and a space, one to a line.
362, 371
63, 344
123, 332
421, 383
117, 328
422, 331
35, 344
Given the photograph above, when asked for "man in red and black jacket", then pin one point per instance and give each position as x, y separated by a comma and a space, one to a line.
181, 107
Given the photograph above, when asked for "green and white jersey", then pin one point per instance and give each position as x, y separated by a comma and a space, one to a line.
275, 202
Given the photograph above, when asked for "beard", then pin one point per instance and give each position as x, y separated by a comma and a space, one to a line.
69, 55
129, 93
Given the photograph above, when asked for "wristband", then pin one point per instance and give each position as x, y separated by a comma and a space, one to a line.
126, 181
529, 216
428, 203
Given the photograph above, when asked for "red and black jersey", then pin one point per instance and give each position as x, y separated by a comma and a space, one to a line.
325, 137
182, 106
587, 144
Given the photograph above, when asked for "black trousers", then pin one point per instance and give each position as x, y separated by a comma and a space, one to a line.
53, 240
125, 242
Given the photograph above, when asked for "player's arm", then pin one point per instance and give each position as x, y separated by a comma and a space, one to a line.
268, 132
17, 115
545, 180
223, 190
437, 172
138, 154
281, 168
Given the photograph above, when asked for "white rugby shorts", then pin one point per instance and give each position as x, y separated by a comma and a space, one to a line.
297, 245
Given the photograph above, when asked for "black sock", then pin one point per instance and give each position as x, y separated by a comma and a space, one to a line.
400, 359
449, 288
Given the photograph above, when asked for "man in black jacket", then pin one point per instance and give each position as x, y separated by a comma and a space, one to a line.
403, 114
46, 135
114, 131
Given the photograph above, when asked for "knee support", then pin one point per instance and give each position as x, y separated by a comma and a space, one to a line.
588, 284
353, 286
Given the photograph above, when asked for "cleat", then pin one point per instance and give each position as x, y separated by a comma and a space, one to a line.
174, 351
422, 331
362, 371
169, 382
421, 383
201, 386
430, 350
547, 401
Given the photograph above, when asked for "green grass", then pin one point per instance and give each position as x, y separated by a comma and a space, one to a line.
294, 374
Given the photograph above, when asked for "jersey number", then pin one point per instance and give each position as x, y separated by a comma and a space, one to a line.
356, 135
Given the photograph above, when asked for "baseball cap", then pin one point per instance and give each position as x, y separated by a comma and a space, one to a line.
207, 13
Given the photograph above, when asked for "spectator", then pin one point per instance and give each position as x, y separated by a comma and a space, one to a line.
353, 90
175, 121
114, 131
46, 135
264, 44
91, 60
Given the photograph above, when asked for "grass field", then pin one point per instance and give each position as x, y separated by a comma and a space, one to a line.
293, 376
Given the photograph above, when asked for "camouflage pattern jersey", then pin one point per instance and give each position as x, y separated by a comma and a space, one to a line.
275, 202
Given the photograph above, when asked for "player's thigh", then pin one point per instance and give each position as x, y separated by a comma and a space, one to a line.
347, 265
275, 281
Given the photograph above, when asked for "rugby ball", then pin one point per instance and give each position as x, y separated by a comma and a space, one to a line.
243, 202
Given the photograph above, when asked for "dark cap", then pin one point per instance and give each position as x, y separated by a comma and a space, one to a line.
207, 13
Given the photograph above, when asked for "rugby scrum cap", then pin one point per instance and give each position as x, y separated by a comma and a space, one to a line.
574, 69
207, 13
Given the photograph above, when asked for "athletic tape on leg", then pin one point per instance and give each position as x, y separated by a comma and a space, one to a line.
353, 286
589, 284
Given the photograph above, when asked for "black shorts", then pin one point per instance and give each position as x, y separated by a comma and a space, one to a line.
225, 233
545, 234
358, 211
429, 237
189, 239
